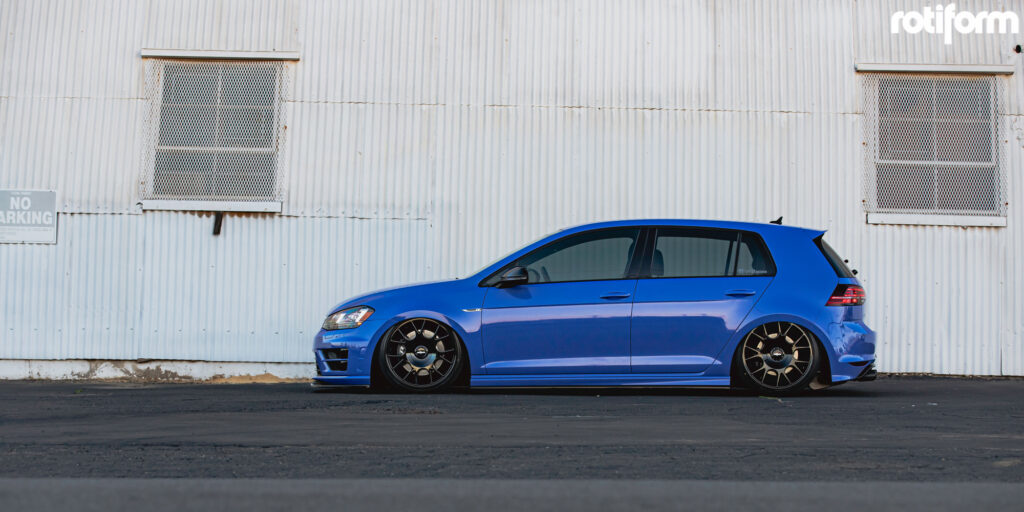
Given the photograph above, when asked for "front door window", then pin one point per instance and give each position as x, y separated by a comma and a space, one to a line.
594, 256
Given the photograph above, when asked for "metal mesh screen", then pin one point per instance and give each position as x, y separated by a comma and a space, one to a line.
932, 145
214, 130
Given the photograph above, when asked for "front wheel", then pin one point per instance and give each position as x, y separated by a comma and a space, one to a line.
421, 355
779, 358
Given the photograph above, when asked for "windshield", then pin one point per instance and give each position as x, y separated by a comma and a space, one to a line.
485, 267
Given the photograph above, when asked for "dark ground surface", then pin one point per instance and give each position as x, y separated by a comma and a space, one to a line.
894, 429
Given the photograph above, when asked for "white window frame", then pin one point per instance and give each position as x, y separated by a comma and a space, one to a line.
871, 134
155, 94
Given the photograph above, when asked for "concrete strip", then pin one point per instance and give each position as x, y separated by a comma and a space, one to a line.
149, 371
110, 495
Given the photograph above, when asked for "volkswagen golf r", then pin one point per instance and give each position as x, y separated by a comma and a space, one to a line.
627, 303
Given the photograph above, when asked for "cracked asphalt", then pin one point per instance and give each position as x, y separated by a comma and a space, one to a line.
913, 429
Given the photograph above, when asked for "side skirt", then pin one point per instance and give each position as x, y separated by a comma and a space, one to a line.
650, 379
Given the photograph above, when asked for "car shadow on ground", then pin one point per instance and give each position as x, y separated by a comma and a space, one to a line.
852, 391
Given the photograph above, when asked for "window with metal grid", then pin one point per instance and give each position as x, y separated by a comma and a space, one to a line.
215, 127
933, 145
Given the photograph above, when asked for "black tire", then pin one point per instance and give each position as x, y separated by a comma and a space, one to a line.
778, 359
421, 355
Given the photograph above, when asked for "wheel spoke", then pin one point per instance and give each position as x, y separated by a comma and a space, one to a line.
778, 355
426, 354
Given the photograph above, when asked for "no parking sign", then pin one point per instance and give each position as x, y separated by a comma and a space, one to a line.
28, 216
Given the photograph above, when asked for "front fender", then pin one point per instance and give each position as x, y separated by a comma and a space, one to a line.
465, 323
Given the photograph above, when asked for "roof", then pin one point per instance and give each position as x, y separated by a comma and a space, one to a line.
757, 227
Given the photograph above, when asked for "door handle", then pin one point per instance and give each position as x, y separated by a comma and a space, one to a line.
740, 293
615, 295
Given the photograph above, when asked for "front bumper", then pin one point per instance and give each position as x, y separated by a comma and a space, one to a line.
343, 357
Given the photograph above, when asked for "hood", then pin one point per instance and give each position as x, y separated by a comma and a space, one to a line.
390, 293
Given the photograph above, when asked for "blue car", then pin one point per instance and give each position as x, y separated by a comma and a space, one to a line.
626, 303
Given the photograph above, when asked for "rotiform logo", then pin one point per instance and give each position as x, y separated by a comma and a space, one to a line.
943, 20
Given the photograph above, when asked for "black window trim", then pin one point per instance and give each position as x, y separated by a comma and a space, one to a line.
740, 233
639, 266
631, 265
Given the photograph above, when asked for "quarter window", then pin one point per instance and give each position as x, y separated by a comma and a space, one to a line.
699, 253
591, 256
933, 145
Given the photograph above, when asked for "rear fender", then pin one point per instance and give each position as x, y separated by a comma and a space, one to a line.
725, 358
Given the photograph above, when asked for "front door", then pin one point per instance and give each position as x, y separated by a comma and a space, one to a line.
702, 284
572, 316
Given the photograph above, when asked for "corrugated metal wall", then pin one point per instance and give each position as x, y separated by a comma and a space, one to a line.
427, 138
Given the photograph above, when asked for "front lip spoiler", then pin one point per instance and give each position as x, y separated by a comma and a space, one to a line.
316, 385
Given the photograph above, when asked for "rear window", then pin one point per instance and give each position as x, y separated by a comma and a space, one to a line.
833, 258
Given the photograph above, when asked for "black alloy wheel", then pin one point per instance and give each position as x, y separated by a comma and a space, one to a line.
779, 358
421, 355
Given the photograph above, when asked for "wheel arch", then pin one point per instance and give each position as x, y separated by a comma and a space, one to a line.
377, 379
817, 332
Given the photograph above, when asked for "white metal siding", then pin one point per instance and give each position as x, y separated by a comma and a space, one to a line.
427, 138
159, 286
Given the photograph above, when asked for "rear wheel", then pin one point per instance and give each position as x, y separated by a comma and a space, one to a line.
421, 355
779, 358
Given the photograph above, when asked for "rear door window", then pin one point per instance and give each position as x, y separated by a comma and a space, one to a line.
683, 252
752, 257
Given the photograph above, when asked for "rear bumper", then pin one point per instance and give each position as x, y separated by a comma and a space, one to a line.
853, 346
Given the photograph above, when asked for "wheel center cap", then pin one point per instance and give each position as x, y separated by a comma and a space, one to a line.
420, 351
777, 353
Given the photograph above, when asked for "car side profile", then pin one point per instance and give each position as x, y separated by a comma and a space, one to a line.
625, 303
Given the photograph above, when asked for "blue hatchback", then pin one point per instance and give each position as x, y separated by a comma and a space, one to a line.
627, 303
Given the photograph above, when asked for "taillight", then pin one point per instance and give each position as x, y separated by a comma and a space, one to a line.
847, 295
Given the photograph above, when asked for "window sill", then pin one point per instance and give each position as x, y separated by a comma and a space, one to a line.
925, 219
212, 206
896, 67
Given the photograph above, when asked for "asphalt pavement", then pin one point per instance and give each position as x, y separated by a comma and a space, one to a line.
936, 439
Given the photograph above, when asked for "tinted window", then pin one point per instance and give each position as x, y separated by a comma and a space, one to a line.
700, 253
752, 258
591, 256
833, 258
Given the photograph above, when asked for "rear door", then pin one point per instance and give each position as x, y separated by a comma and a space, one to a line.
702, 284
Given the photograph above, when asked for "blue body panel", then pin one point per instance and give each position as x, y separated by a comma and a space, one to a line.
628, 332
558, 328
681, 325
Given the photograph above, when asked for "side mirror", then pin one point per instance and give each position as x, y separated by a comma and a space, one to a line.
514, 276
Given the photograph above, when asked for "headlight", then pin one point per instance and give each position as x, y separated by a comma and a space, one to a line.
347, 318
